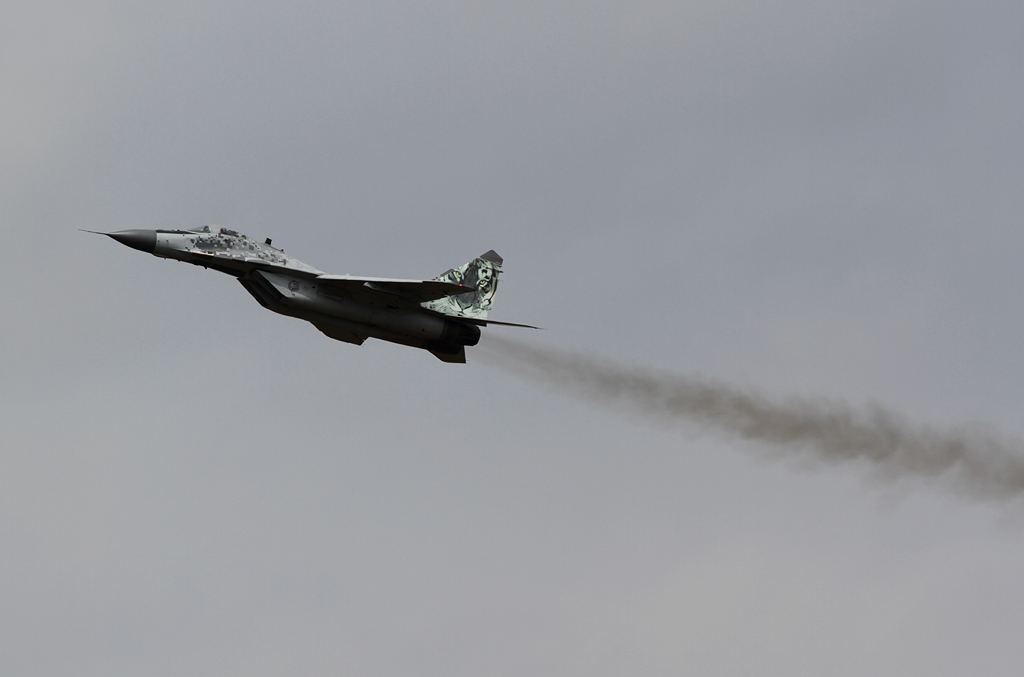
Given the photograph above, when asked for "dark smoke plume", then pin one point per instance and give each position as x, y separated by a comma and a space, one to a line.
972, 460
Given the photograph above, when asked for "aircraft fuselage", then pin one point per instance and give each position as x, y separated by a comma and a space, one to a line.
343, 307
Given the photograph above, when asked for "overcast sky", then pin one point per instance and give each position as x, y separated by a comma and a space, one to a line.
818, 199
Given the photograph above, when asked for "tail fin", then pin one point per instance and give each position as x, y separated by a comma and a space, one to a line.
481, 276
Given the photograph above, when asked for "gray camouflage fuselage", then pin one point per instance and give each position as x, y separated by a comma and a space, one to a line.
443, 315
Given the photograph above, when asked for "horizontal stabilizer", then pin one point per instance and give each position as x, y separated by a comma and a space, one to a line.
483, 323
511, 324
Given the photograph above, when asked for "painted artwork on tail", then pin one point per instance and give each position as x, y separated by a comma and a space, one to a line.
481, 276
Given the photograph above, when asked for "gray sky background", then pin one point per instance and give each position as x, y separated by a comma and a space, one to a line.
813, 198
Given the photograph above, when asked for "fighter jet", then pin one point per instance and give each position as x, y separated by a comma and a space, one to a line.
442, 315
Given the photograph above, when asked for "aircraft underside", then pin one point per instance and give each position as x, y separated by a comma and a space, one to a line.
353, 321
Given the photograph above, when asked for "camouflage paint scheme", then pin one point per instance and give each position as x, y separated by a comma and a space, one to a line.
442, 315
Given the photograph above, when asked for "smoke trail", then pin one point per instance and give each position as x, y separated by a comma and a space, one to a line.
972, 460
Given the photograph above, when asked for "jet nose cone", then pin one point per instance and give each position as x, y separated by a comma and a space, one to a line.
143, 240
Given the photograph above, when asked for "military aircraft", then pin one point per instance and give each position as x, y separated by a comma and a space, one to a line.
442, 315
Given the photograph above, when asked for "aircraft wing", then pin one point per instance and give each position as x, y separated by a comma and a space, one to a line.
239, 265
413, 290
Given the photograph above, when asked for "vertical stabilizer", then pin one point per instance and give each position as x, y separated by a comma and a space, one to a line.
480, 275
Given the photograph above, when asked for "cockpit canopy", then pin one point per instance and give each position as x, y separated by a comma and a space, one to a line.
214, 230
